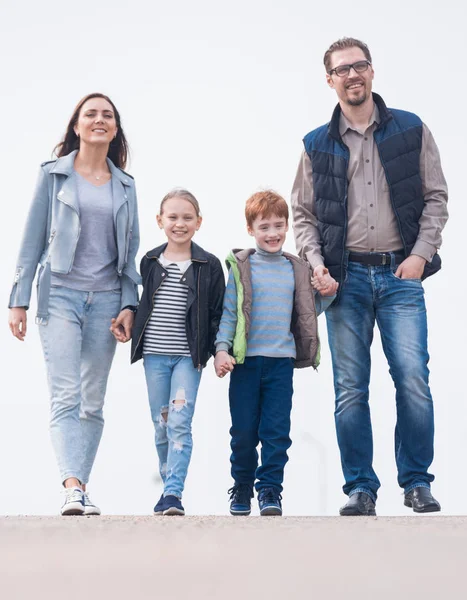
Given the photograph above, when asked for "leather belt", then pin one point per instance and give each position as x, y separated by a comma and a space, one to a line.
376, 259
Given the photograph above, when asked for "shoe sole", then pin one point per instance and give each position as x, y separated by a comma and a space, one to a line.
427, 509
271, 511
74, 509
93, 512
173, 512
158, 513
370, 513
240, 513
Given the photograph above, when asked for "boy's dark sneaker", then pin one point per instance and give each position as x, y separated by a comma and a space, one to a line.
240, 499
172, 506
159, 508
269, 500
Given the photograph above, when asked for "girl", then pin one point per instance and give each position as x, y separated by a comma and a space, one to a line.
82, 229
174, 332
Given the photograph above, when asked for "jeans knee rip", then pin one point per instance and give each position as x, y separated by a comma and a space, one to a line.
179, 401
163, 416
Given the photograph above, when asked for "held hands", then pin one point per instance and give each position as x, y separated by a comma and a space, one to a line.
17, 322
223, 363
121, 326
323, 282
411, 268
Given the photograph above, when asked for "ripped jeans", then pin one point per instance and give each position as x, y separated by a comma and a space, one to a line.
172, 383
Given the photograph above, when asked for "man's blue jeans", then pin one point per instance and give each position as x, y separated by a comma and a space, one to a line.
260, 396
372, 294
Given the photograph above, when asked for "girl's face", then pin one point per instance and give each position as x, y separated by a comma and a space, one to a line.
179, 221
96, 122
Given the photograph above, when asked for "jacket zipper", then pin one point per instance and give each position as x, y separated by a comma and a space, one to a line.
79, 231
147, 320
199, 353
199, 278
127, 249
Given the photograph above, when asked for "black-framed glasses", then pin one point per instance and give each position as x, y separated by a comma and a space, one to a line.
343, 70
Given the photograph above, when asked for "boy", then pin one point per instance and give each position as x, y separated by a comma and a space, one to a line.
269, 323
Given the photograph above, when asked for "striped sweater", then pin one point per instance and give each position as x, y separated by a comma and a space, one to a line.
165, 331
273, 292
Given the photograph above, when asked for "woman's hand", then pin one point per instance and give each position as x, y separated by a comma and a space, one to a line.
121, 326
17, 322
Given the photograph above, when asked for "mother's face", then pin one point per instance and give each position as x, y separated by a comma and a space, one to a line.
96, 122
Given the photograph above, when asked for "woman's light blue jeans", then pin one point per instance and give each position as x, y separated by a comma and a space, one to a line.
78, 349
173, 384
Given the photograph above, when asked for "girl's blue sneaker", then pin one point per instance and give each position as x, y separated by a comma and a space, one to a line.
172, 506
159, 508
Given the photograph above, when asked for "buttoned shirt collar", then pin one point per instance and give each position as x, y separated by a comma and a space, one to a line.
345, 125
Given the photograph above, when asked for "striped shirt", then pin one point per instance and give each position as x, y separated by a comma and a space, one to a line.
165, 331
273, 286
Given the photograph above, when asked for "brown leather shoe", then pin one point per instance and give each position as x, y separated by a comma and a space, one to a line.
358, 505
421, 500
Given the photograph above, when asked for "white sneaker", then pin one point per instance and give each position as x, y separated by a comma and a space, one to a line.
89, 507
74, 503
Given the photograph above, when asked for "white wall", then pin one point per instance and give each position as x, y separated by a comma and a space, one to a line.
216, 97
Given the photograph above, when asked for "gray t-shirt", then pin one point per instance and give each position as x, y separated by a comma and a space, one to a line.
95, 262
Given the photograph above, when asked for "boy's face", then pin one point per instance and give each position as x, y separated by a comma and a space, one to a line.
269, 232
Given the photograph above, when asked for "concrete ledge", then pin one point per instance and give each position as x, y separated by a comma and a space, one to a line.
232, 557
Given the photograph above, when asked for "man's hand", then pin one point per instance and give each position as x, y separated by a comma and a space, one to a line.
223, 363
121, 326
17, 322
411, 268
323, 282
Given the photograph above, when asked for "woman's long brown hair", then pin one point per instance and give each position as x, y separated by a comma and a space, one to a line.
118, 147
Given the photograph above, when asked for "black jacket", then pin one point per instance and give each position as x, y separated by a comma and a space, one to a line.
206, 287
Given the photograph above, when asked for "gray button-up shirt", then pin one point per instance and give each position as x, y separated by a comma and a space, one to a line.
372, 224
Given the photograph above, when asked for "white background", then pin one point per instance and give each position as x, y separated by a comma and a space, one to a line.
216, 96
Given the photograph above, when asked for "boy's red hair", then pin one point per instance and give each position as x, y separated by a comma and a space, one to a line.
265, 204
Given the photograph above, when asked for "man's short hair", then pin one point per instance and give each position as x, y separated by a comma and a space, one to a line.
343, 44
265, 204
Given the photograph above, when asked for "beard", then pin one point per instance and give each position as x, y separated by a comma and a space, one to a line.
360, 99
357, 101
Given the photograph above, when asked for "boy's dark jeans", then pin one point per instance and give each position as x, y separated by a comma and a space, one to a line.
260, 396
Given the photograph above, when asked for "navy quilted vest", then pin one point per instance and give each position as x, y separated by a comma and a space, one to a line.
399, 140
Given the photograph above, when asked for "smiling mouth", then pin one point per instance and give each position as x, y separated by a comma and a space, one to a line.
354, 86
100, 130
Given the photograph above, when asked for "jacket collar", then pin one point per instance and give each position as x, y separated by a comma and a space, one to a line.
243, 255
385, 115
65, 166
197, 253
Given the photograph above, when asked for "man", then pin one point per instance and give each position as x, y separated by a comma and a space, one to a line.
369, 204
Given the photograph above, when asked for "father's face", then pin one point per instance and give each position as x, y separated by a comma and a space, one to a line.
354, 88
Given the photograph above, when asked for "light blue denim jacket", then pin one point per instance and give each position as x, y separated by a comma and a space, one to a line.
52, 231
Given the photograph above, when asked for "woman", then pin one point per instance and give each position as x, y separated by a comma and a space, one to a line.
82, 231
